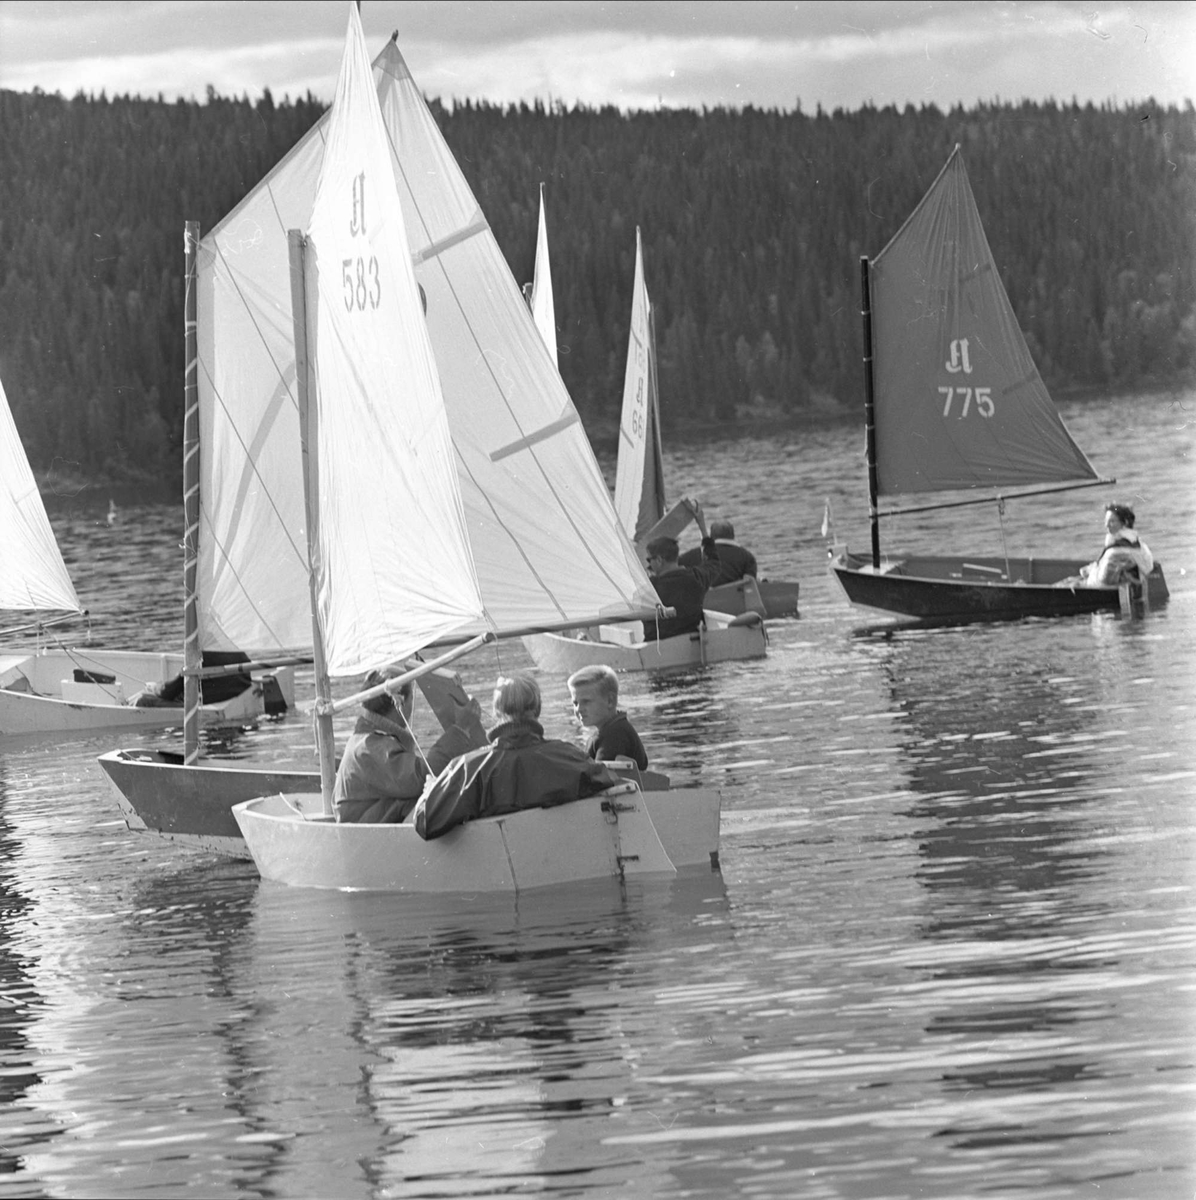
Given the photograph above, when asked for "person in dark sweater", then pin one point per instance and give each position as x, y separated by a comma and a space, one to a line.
595, 694
733, 561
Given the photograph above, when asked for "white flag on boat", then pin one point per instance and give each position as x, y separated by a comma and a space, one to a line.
393, 562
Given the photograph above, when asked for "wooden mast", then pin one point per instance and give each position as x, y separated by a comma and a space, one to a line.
308, 431
869, 409
192, 650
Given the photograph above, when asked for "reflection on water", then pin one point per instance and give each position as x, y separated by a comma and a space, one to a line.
951, 952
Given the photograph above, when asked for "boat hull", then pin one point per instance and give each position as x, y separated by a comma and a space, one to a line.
955, 591
606, 836
622, 647
193, 805
38, 693
771, 598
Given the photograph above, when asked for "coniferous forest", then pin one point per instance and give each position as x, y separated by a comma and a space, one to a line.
753, 223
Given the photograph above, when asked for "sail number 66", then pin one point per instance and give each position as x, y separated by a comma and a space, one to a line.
361, 282
982, 396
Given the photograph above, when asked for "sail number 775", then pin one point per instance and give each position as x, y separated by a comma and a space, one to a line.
981, 395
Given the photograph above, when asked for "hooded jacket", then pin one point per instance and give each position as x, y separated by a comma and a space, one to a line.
519, 769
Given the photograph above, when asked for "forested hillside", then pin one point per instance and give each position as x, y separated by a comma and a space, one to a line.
753, 223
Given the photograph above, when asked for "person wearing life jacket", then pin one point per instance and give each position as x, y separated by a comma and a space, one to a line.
1125, 556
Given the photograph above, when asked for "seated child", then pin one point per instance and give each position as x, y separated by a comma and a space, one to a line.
595, 694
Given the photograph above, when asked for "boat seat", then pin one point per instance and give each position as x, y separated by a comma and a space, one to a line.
73, 692
621, 635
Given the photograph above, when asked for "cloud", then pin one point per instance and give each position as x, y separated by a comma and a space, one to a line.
633, 55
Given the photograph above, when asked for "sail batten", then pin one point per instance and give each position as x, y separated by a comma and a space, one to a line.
959, 402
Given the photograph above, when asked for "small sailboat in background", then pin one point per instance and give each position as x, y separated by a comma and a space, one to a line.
639, 475
548, 548
732, 628
54, 687
540, 300
371, 408
955, 403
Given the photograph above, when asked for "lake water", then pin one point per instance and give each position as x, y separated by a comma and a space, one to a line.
951, 951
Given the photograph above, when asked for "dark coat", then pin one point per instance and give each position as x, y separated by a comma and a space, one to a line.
518, 770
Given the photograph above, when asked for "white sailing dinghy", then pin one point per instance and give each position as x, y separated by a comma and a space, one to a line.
378, 414
54, 687
955, 404
732, 626
547, 544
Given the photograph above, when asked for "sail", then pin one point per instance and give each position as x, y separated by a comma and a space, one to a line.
547, 546
958, 400
393, 567
543, 312
34, 575
639, 474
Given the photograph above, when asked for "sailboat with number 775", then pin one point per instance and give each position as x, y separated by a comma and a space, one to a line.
954, 403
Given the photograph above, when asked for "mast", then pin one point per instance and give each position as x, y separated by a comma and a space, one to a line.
325, 742
869, 410
192, 650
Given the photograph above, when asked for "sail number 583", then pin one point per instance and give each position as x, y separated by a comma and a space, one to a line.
982, 396
361, 282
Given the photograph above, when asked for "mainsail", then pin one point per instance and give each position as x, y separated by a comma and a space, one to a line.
393, 565
33, 575
548, 549
958, 401
543, 312
639, 474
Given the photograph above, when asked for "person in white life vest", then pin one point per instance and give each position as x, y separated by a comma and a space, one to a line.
1125, 556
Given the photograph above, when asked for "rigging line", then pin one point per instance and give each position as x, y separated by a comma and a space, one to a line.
83, 661
251, 462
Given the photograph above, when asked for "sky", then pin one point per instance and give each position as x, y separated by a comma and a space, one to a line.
641, 54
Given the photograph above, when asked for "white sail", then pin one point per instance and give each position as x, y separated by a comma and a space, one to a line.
543, 311
33, 575
639, 475
547, 546
393, 565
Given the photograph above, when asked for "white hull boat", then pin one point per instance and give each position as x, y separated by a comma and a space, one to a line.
611, 835
75, 689
395, 380
723, 638
193, 805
